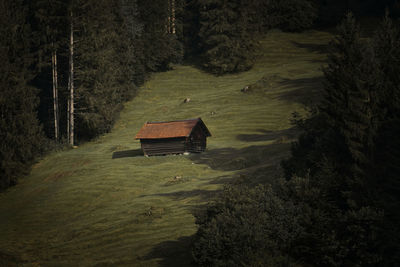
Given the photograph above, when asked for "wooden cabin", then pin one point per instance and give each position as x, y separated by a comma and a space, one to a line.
173, 137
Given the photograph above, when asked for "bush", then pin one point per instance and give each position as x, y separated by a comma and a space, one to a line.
246, 226
290, 15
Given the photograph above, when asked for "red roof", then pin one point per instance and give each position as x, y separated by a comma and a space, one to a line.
170, 129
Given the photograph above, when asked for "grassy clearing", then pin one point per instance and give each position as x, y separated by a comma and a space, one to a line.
105, 204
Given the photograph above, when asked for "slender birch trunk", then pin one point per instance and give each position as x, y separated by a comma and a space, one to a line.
173, 17
55, 94
169, 17
71, 84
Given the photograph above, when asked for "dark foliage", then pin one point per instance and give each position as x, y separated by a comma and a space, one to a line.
116, 46
223, 33
225, 40
160, 47
247, 226
341, 192
21, 137
290, 15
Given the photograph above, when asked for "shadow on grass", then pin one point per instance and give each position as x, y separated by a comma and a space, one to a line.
259, 164
173, 253
313, 48
9, 260
199, 194
306, 91
282, 135
127, 154
231, 159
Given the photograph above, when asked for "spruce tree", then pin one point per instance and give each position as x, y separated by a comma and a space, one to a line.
387, 145
350, 103
50, 28
130, 49
97, 91
226, 39
21, 136
160, 47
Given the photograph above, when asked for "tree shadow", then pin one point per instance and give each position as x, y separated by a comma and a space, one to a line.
173, 252
10, 260
232, 159
265, 135
199, 194
313, 48
306, 91
127, 154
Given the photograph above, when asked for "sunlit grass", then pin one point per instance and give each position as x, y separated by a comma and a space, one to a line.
105, 204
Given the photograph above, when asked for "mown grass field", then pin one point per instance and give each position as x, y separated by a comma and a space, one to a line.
104, 204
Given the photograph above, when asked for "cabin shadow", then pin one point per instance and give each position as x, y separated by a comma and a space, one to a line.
253, 161
127, 154
306, 91
173, 252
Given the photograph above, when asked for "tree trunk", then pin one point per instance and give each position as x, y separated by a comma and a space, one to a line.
173, 30
169, 17
55, 95
71, 84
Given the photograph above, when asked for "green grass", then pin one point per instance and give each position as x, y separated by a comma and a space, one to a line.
105, 204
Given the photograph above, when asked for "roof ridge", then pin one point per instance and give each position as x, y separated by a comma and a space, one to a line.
151, 122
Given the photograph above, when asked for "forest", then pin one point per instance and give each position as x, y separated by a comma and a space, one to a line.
69, 67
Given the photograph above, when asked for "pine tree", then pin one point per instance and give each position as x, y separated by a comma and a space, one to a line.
97, 98
21, 137
289, 15
387, 144
130, 49
160, 46
226, 41
351, 100
49, 18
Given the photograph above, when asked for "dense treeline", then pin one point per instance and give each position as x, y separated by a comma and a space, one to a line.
338, 205
68, 66
20, 134
223, 34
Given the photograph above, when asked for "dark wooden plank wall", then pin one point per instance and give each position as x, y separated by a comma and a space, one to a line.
163, 146
197, 140
195, 143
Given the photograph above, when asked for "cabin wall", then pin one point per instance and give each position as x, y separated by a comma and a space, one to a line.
196, 145
163, 146
197, 141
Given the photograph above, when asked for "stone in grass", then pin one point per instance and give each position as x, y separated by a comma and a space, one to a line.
245, 89
176, 180
266, 83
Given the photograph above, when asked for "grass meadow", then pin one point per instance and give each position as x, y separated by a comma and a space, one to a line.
105, 204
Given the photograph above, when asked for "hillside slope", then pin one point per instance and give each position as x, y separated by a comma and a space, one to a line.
105, 204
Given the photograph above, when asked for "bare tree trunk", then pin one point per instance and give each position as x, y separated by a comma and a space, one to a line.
173, 17
55, 94
68, 105
169, 17
71, 84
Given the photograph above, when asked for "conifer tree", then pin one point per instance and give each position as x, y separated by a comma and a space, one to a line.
49, 18
351, 101
226, 40
21, 136
130, 49
161, 47
387, 145
98, 96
